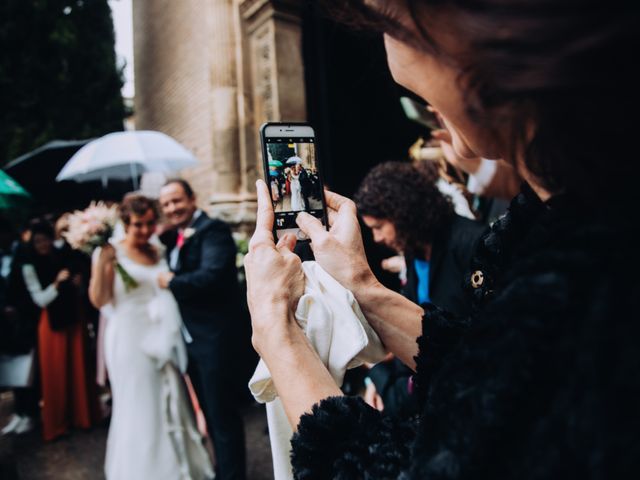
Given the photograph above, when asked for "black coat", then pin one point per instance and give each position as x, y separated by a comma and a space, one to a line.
541, 382
206, 282
451, 253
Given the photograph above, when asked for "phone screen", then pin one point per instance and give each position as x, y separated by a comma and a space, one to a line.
419, 113
294, 181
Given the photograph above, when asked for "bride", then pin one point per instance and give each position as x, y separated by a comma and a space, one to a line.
297, 202
152, 432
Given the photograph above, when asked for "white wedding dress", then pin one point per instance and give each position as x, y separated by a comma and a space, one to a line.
297, 202
152, 433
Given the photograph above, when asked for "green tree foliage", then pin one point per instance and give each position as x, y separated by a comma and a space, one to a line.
280, 151
58, 73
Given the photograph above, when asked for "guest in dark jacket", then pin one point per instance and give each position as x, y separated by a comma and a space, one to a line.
405, 210
68, 396
203, 279
541, 381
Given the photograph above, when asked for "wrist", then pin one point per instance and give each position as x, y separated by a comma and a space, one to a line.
106, 260
274, 331
362, 281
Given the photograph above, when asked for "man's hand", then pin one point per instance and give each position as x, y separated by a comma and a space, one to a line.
164, 278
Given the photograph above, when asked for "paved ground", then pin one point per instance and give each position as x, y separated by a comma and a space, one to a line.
80, 455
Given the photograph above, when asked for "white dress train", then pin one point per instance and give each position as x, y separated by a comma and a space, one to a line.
153, 434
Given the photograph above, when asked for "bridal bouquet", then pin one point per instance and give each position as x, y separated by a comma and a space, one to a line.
92, 228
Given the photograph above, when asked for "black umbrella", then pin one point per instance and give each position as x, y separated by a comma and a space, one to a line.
37, 170
39, 167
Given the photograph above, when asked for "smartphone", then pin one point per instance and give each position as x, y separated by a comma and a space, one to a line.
419, 113
292, 173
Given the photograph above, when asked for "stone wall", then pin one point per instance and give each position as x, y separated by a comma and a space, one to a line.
209, 73
172, 79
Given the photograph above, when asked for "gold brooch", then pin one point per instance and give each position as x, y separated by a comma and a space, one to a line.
477, 279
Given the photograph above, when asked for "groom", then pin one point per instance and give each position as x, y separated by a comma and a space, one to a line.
203, 279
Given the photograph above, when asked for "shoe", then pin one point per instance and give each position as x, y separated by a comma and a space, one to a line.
26, 425
12, 425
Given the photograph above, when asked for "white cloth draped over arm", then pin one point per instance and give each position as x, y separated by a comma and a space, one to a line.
41, 297
336, 328
163, 340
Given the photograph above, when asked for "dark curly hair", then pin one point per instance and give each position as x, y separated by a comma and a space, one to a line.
407, 196
556, 76
135, 204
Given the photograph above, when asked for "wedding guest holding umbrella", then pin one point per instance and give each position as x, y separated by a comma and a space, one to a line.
53, 287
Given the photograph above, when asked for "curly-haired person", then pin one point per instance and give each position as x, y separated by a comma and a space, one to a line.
402, 205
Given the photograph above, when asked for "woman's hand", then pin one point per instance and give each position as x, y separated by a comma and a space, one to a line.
340, 250
275, 283
275, 280
397, 320
63, 276
102, 276
107, 254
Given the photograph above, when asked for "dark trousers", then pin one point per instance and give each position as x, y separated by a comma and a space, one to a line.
217, 389
26, 402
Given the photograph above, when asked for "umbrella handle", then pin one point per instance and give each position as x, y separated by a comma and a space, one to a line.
134, 175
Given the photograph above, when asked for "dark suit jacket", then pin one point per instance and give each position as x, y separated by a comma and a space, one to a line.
206, 283
451, 253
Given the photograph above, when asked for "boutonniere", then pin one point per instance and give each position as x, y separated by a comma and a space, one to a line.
189, 232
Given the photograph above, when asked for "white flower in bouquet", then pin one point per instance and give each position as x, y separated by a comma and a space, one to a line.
92, 228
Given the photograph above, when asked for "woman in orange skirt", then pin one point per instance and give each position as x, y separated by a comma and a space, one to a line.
67, 395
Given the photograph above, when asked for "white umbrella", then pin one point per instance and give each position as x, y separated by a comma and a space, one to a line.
124, 155
294, 161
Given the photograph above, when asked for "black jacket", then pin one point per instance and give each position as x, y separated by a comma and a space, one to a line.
206, 283
541, 382
451, 253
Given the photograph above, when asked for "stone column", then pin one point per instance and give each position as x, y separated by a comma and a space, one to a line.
274, 48
226, 197
248, 149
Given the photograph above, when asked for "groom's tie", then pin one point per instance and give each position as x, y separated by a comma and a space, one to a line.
180, 239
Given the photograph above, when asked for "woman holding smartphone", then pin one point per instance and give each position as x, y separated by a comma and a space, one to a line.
541, 381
